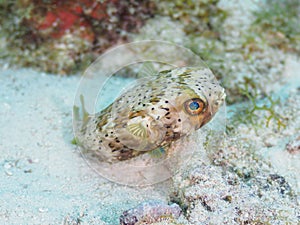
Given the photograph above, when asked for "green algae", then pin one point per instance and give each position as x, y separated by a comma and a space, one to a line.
257, 103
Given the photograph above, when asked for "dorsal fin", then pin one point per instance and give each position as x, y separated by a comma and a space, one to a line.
147, 70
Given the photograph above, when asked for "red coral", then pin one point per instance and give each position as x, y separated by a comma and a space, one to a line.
48, 22
62, 18
69, 15
88, 17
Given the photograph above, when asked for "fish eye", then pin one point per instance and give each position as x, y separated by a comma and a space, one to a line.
194, 106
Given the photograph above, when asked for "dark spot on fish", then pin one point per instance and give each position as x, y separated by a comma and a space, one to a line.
172, 136
166, 101
106, 135
125, 154
136, 114
157, 118
167, 113
179, 120
155, 99
168, 118
144, 105
176, 135
167, 109
111, 145
152, 108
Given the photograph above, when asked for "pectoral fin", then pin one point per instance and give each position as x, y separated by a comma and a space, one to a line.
138, 130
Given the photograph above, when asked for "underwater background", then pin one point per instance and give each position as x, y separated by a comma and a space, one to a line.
253, 48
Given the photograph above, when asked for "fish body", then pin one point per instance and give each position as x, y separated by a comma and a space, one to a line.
153, 114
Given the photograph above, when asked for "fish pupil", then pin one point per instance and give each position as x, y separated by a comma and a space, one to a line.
194, 105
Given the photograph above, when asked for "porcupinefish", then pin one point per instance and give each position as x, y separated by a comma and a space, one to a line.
153, 114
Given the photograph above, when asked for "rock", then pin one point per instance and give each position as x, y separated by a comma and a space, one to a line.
212, 194
150, 212
294, 146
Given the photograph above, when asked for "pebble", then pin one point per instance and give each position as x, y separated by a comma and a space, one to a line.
149, 212
294, 146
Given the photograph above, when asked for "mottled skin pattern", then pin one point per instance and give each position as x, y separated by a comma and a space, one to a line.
153, 114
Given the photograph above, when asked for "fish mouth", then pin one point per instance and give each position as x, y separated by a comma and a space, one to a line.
213, 108
206, 119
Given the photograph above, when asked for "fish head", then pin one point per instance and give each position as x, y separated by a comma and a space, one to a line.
200, 99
